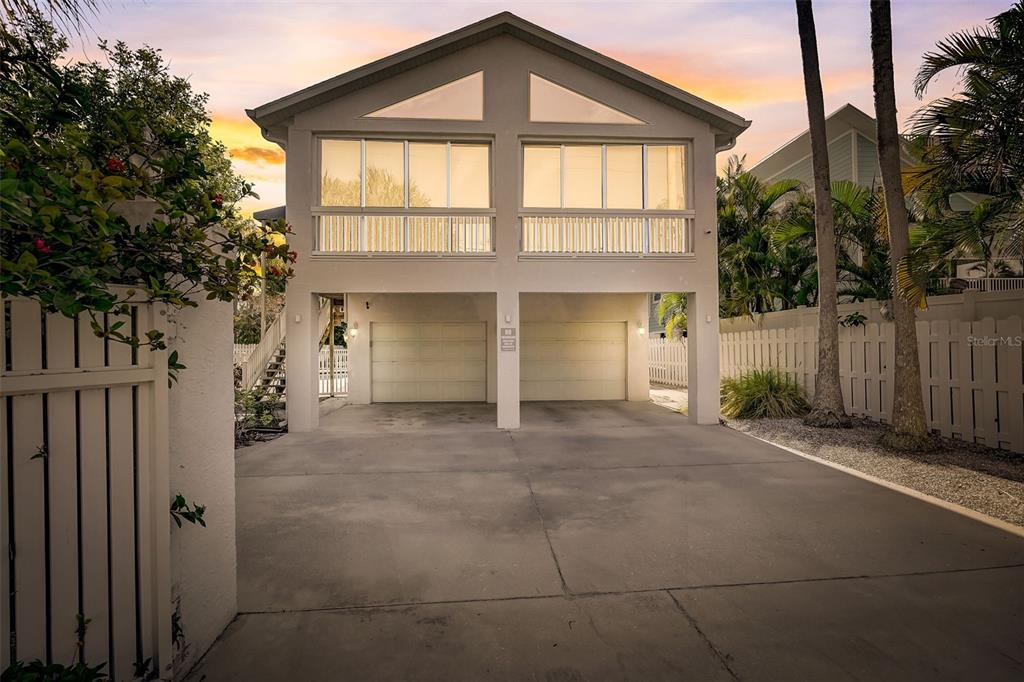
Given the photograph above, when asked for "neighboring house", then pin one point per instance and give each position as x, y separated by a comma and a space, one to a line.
852, 155
494, 205
852, 152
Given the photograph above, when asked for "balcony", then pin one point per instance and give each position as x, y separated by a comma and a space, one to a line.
426, 235
573, 235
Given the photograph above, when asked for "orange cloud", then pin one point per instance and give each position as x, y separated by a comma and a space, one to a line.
727, 87
257, 154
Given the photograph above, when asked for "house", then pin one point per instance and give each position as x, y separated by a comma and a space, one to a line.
852, 152
853, 156
493, 206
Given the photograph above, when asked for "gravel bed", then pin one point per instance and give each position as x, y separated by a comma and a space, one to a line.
979, 478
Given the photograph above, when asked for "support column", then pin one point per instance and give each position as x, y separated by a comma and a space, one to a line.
302, 345
509, 342
702, 357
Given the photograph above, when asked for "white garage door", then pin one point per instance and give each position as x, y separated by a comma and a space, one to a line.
428, 362
573, 361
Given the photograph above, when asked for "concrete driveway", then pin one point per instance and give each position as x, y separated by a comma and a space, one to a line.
603, 541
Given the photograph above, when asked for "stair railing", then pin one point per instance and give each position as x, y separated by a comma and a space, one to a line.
255, 365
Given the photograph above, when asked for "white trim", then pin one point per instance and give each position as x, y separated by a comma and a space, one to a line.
916, 494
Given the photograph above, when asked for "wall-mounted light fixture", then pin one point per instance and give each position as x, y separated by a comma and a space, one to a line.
353, 329
640, 328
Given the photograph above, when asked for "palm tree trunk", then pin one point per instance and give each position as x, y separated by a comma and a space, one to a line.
827, 408
909, 428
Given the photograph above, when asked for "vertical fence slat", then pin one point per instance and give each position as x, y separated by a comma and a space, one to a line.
29, 484
63, 468
93, 455
5, 540
122, 527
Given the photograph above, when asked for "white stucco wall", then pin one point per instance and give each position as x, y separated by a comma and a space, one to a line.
203, 560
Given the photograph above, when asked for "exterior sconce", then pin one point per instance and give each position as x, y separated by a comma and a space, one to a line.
353, 330
640, 328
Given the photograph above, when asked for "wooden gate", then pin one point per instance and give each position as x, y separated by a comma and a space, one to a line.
84, 493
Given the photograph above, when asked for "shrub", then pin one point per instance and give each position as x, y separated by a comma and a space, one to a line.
259, 413
762, 394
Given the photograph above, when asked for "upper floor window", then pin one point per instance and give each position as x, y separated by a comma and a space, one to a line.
405, 174
459, 100
612, 176
553, 103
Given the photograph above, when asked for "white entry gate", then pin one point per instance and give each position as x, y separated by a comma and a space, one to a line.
84, 493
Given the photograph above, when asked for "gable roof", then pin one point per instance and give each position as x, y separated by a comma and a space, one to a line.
272, 117
839, 122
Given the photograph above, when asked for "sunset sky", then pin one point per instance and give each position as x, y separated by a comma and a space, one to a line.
741, 55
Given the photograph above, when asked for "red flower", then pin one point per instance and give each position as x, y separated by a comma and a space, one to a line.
115, 165
275, 271
293, 256
217, 200
41, 246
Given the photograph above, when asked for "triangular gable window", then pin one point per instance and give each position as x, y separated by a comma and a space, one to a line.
552, 103
460, 100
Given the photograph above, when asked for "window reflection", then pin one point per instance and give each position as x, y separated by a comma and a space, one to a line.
665, 177
339, 178
471, 180
583, 176
542, 181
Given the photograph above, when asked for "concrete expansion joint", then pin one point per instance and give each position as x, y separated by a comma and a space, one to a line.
567, 593
722, 657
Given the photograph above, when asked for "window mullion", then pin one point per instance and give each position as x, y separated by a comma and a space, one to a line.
604, 197
362, 173
645, 221
405, 182
561, 176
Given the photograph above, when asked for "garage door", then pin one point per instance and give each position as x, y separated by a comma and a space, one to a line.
428, 362
573, 361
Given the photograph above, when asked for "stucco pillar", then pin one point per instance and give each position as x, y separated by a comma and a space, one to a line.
702, 357
357, 313
302, 341
508, 359
638, 373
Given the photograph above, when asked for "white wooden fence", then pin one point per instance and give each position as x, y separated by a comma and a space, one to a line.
242, 351
972, 373
667, 362
338, 384
84, 493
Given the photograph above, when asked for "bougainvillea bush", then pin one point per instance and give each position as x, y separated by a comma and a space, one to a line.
80, 141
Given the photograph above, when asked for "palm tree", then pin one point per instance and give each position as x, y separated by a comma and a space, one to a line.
974, 141
68, 15
827, 408
672, 314
977, 236
862, 247
909, 429
755, 276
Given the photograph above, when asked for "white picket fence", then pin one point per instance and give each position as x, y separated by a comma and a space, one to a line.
972, 373
338, 384
667, 362
242, 351
84, 493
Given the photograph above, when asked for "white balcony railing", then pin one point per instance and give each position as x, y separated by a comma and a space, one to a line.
983, 283
371, 234
595, 234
